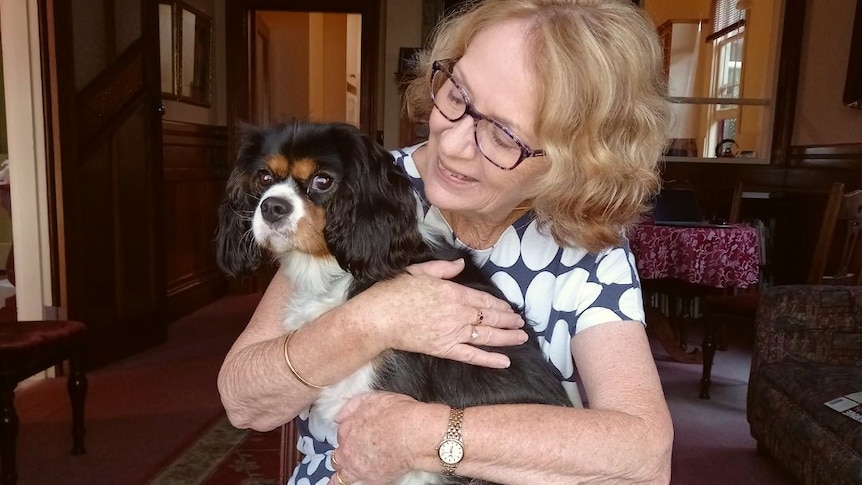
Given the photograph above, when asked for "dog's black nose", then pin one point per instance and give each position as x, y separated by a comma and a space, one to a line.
275, 209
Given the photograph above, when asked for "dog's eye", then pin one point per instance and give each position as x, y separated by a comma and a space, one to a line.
320, 183
265, 178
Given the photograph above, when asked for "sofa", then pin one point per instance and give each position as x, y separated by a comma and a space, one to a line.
808, 350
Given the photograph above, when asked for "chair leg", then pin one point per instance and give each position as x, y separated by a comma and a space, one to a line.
708, 356
8, 435
77, 387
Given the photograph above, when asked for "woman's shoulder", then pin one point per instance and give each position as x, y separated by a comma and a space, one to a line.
528, 251
530, 236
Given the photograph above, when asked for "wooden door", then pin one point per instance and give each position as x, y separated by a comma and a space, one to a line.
104, 150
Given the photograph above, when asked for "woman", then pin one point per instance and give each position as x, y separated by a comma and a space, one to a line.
546, 122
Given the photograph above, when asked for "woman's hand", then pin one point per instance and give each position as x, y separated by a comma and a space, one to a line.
423, 312
377, 432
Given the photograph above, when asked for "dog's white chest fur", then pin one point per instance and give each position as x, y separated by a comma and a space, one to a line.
318, 286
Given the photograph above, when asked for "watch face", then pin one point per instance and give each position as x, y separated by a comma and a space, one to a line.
451, 452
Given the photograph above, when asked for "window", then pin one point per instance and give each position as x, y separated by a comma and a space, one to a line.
728, 67
720, 59
728, 40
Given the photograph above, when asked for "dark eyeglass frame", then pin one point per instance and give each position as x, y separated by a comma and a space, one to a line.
469, 109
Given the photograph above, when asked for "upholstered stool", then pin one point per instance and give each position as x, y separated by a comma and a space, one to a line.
27, 348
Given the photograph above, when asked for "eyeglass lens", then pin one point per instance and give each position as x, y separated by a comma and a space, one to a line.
498, 145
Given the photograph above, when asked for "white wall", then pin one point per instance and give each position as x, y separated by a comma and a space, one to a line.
23, 88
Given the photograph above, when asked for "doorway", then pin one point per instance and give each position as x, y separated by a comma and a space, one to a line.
261, 91
306, 66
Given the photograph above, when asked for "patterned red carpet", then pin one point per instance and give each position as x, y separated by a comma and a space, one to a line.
226, 456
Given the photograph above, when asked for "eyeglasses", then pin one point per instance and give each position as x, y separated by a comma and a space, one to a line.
496, 142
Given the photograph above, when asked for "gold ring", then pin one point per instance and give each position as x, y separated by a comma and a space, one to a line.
480, 318
335, 463
339, 479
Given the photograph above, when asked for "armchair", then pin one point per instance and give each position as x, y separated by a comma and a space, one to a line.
808, 350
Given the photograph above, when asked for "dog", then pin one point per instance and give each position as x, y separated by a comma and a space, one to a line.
338, 215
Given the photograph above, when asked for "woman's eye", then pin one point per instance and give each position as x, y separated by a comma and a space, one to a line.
320, 183
265, 178
455, 97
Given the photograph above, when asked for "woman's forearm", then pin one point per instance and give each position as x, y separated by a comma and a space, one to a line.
528, 444
626, 435
255, 390
258, 389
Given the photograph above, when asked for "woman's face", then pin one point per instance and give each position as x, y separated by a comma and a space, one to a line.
457, 175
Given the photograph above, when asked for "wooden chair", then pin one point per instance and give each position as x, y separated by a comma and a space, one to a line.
289, 456
26, 348
839, 248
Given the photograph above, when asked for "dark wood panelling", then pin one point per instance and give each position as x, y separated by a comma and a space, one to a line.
844, 156
195, 170
797, 191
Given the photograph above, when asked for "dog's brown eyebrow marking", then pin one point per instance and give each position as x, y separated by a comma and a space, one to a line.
303, 169
279, 165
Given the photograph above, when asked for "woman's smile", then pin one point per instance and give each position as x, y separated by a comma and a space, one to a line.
452, 176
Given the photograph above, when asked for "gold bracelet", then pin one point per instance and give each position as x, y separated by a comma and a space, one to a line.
292, 369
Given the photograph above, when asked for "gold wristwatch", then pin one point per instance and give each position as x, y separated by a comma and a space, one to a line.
451, 448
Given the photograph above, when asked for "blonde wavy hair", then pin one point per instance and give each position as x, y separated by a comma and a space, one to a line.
602, 115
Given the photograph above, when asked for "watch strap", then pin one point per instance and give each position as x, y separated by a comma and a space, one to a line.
453, 433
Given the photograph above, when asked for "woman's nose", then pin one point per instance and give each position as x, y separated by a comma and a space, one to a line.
458, 138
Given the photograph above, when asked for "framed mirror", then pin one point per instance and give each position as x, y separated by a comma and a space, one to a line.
185, 39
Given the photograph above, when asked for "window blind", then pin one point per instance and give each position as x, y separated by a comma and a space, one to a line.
725, 18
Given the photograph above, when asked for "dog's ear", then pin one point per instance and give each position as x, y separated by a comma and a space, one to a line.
371, 222
237, 253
